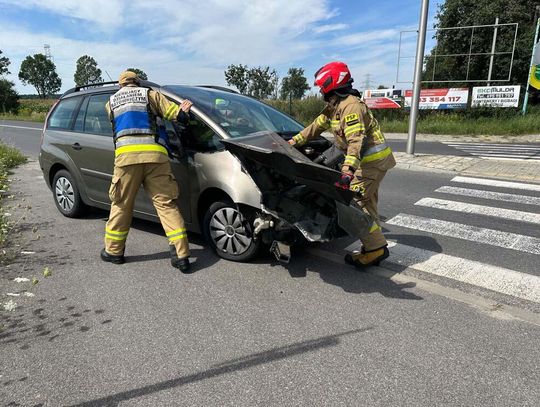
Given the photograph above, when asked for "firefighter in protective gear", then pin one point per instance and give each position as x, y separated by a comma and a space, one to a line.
367, 156
140, 159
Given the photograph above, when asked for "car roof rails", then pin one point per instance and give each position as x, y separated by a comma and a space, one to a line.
144, 84
222, 88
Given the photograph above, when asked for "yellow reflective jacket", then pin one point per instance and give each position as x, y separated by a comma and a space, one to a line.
357, 134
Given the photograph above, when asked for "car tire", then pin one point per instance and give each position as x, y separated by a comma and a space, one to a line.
66, 195
229, 232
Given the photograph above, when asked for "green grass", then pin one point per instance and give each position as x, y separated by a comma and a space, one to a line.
456, 124
9, 158
34, 110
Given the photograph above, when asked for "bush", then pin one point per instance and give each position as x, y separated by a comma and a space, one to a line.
9, 158
496, 121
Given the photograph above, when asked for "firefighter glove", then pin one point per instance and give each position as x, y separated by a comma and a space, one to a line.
344, 181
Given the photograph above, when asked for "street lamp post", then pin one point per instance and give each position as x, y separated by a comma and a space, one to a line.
420, 45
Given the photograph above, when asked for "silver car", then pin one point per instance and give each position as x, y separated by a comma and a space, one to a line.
241, 185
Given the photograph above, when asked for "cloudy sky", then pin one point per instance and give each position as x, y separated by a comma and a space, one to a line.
193, 41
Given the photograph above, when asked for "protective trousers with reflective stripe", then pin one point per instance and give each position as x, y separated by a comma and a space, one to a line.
161, 185
366, 182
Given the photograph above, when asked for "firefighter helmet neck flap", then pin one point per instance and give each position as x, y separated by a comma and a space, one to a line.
334, 78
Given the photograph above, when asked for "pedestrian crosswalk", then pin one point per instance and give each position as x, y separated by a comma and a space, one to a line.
446, 217
499, 151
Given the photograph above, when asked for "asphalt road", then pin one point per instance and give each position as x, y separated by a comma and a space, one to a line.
314, 333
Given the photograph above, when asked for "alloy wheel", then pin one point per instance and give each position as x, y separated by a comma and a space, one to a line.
228, 231
65, 196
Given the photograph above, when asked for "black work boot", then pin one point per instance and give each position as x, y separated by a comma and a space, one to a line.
111, 258
181, 264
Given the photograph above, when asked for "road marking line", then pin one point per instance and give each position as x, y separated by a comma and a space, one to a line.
505, 281
522, 158
497, 196
479, 210
501, 280
491, 237
495, 183
492, 144
498, 148
22, 127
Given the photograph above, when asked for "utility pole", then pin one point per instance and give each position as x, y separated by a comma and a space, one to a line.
535, 46
492, 57
367, 83
420, 44
47, 49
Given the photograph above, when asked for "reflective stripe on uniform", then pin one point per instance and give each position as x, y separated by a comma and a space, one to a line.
116, 235
322, 121
127, 140
299, 139
374, 227
351, 161
335, 124
172, 111
177, 234
354, 128
140, 148
377, 156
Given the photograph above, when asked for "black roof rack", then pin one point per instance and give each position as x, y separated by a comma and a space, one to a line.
223, 88
145, 84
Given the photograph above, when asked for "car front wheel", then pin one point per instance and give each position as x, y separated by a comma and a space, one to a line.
66, 195
229, 232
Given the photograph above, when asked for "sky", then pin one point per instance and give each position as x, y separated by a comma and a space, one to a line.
193, 41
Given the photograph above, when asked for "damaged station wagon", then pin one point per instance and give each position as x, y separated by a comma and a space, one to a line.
241, 184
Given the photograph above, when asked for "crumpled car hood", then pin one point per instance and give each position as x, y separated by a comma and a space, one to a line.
270, 150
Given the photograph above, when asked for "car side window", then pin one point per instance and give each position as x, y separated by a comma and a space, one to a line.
79, 121
97, 120
62, 116
199, 137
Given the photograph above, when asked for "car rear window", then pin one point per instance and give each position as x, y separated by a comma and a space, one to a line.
62, 117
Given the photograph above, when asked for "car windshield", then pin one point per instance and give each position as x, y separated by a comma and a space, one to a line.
238, 115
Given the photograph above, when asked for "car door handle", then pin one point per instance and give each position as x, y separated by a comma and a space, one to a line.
76, 146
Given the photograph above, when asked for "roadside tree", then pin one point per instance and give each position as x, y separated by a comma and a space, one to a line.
40, 72
87, 71
4, 63
259, 82
9, 99
238, 76
294, 85
262, 82
140, 73
458, 13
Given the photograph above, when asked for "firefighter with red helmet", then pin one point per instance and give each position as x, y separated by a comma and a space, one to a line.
367, 156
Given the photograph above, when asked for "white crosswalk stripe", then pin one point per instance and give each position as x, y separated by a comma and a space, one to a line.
479, 210
470, 271
467, 232
497, 183
497, 196
499, 151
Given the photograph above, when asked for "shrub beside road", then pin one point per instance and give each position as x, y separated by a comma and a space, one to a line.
472, 121
9, 158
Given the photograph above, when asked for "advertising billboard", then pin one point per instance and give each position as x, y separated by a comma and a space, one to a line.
495, 96
439, 99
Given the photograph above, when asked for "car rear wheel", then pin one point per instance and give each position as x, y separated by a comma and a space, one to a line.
66, 195
229, 232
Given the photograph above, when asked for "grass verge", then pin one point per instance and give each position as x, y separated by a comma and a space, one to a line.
454, 124
9, 158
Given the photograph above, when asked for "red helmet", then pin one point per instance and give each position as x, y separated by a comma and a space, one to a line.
333, 75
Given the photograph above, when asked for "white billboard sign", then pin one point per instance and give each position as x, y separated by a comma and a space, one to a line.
495, 96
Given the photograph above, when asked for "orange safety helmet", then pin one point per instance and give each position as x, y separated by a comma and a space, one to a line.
332, 76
